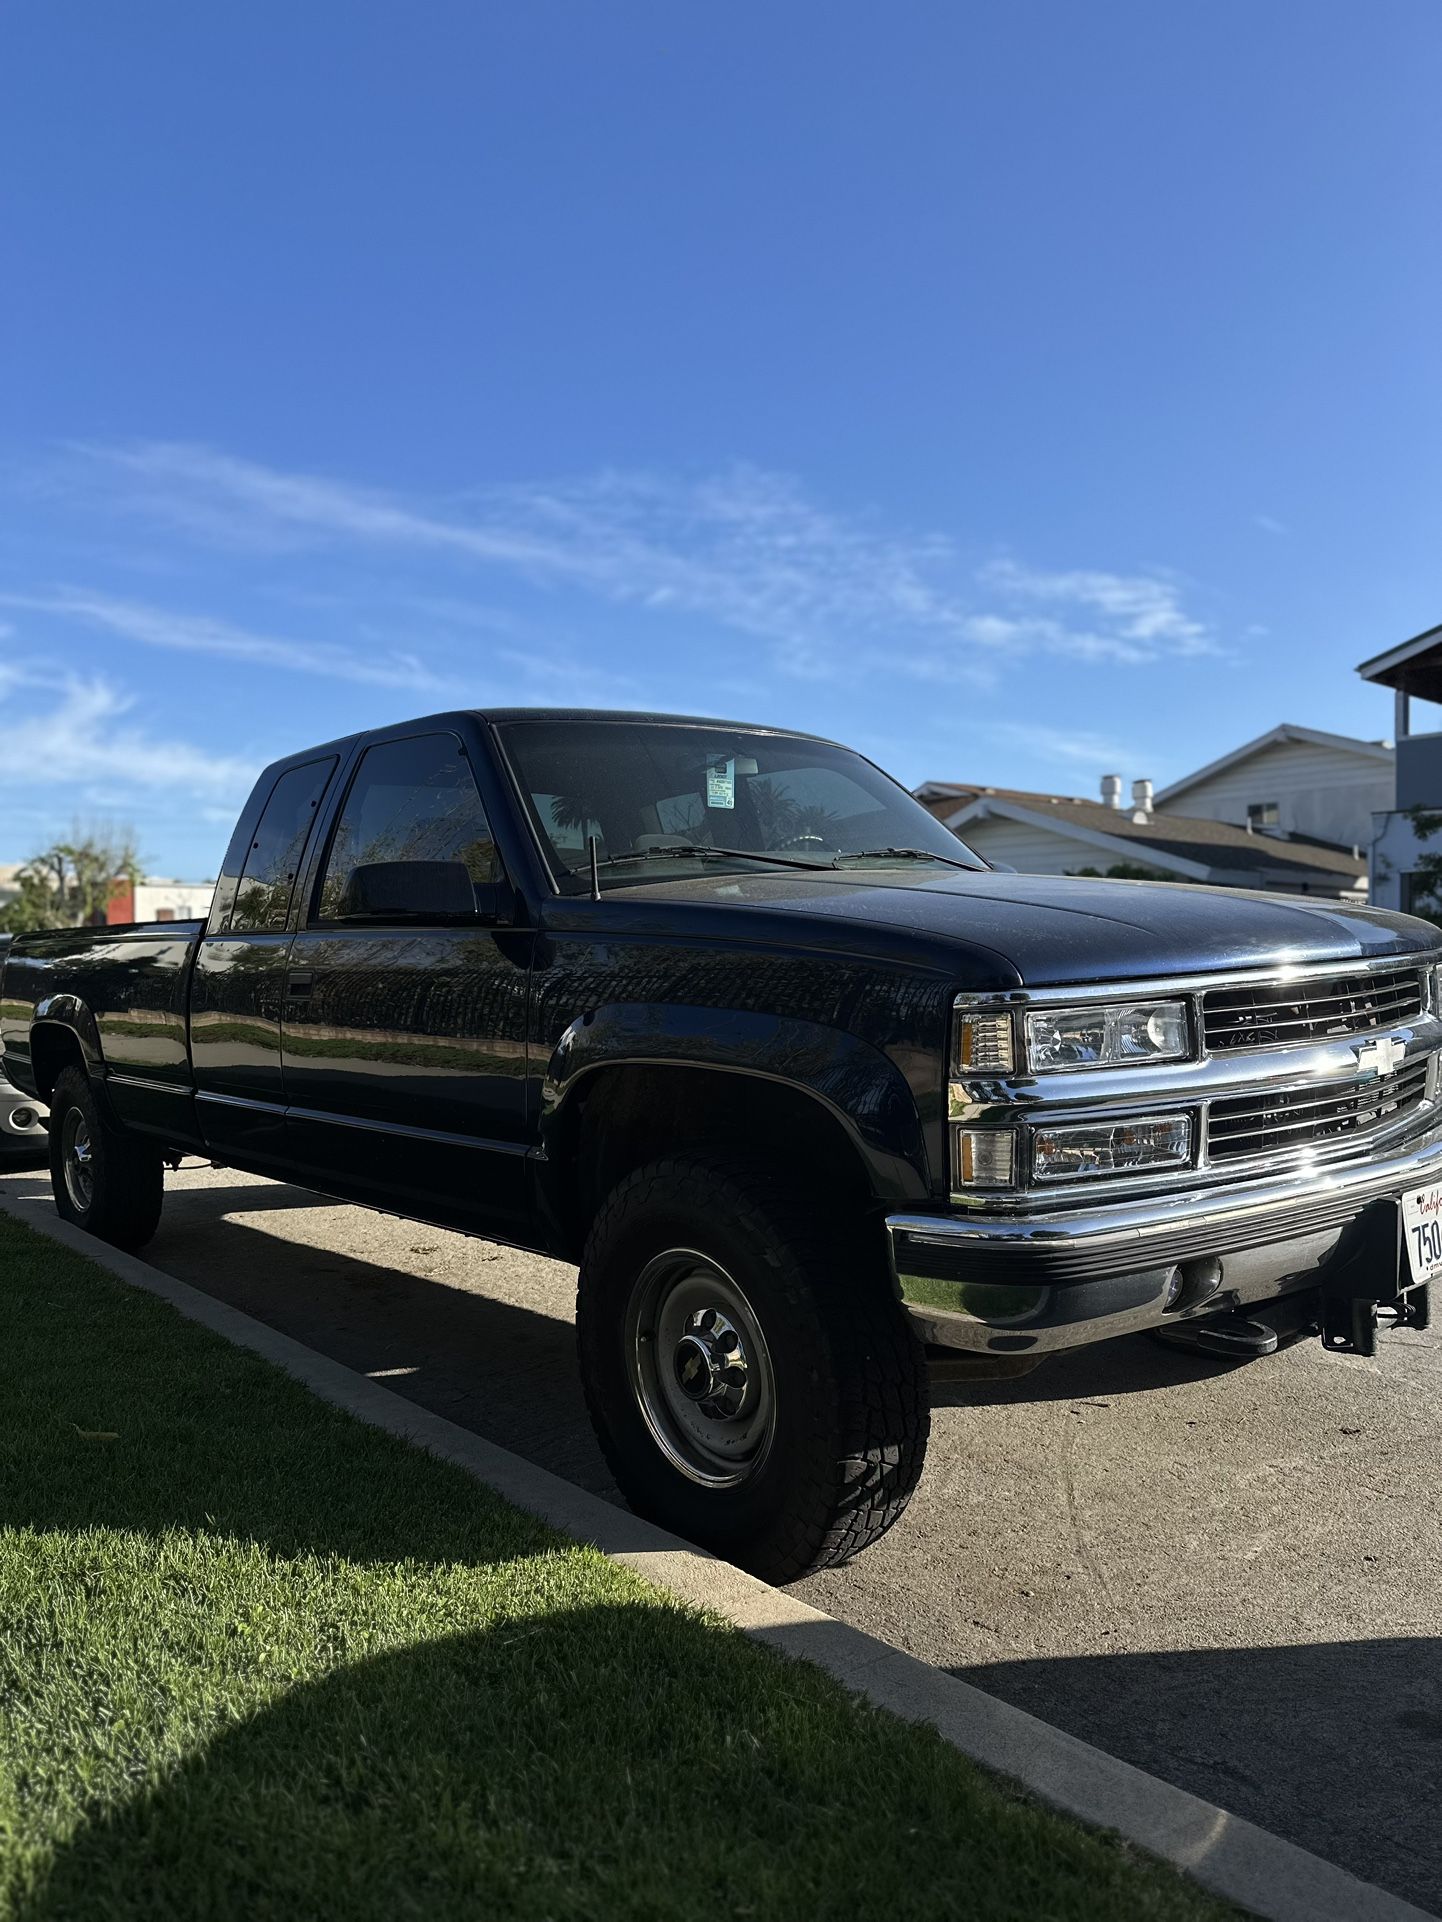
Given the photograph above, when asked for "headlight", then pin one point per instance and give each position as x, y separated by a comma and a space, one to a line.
1110, 1147
1106, 1037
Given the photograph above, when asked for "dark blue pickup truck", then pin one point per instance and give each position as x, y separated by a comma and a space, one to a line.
807, 1089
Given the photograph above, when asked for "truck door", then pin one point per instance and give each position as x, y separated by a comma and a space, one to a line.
239, 975
403, 1031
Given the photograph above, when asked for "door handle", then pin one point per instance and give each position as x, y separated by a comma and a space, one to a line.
298, 984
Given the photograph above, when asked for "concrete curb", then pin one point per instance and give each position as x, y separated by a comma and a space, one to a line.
1246, 1865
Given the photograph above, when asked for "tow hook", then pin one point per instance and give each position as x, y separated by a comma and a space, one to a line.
1350, 1323
1366, 1285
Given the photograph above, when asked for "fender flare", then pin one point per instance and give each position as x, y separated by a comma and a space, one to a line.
861, 1088
71, 1015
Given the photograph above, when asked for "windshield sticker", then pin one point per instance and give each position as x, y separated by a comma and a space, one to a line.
721, 784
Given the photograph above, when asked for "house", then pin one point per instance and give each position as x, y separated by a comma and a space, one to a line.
1065, 834
1404, 838
1293, 780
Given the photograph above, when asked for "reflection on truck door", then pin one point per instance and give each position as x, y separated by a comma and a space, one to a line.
403, 1033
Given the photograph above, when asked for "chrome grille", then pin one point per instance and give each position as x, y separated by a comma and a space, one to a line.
1241, 1126
1272, 1014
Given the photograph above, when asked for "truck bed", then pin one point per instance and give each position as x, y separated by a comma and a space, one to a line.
133, 982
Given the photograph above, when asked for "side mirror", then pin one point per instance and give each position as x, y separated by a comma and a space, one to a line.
410, 891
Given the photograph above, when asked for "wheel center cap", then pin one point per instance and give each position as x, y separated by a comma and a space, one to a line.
695, 1368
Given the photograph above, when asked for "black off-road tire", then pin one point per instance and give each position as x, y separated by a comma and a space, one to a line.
127, 1176
850, 1383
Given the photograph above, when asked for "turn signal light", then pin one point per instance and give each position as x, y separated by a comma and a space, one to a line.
985, 1157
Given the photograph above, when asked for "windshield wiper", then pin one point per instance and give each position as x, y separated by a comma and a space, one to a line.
702, 853
903, 854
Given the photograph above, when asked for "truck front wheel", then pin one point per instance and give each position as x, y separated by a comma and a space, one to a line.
107, 1182
753, 1382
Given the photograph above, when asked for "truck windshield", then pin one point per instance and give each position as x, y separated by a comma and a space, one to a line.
664, 798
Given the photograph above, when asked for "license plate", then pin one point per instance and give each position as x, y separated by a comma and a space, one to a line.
1422, 1231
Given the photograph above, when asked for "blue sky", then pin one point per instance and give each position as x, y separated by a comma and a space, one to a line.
1019, 391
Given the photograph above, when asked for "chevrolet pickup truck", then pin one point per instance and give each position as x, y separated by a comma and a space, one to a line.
806, 1089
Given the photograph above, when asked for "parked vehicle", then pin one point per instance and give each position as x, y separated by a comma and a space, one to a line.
723, 1015
23, 1141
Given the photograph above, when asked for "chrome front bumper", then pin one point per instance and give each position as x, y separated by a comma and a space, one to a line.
1015, 1284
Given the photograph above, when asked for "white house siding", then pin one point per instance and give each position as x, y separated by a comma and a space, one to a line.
173, 900
1322, 791
1033, 851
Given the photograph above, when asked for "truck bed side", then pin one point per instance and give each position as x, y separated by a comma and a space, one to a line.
115, 1000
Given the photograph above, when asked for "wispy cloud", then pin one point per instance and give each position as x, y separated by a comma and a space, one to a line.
202, 634
1268, 525
832, 595
1075, 746
74, 734
1141, 615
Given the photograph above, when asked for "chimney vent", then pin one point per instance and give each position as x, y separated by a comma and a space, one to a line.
1112, 790
1142, 796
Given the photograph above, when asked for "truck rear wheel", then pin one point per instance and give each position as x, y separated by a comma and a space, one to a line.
753, 1383
107, 1182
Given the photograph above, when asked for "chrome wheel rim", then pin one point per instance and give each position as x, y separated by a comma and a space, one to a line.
700, 1369
78, 1160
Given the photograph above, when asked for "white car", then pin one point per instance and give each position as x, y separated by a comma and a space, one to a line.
23, 1138
24, 1142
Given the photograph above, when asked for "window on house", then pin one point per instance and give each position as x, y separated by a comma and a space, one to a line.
1422, 894
1263, 814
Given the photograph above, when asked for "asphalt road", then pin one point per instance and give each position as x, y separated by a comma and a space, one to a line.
1233, 1579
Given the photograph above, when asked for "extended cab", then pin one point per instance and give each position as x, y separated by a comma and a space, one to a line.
723, 1015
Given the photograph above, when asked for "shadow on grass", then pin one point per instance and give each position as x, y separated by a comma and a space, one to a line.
605, 1761
463, 1717
528, 1771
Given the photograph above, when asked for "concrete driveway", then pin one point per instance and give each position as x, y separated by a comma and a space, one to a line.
1233, 1579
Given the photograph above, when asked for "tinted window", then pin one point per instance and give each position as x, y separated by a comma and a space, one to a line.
273, 861
412, 800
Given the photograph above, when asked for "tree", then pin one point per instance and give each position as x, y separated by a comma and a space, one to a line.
1123, 871
69, 884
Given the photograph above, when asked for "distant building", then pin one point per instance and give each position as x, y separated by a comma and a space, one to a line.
1065, 834
154, 899
1400, 842
1295, 780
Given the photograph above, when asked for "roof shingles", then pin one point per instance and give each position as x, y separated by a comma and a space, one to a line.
1214, 844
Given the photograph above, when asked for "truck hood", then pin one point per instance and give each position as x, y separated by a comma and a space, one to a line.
1042, 930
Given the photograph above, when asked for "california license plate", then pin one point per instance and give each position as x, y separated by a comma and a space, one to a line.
1422, 1232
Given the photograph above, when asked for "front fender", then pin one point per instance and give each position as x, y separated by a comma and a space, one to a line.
862, 1088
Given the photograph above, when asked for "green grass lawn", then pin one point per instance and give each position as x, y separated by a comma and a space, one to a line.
259, 1661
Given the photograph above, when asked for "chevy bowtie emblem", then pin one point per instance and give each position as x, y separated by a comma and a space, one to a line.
1381, 1056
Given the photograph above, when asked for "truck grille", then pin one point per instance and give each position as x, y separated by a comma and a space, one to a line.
1241, 1126
1271, 1014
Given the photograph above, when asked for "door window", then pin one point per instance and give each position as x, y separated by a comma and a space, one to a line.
411, 802
262, 899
